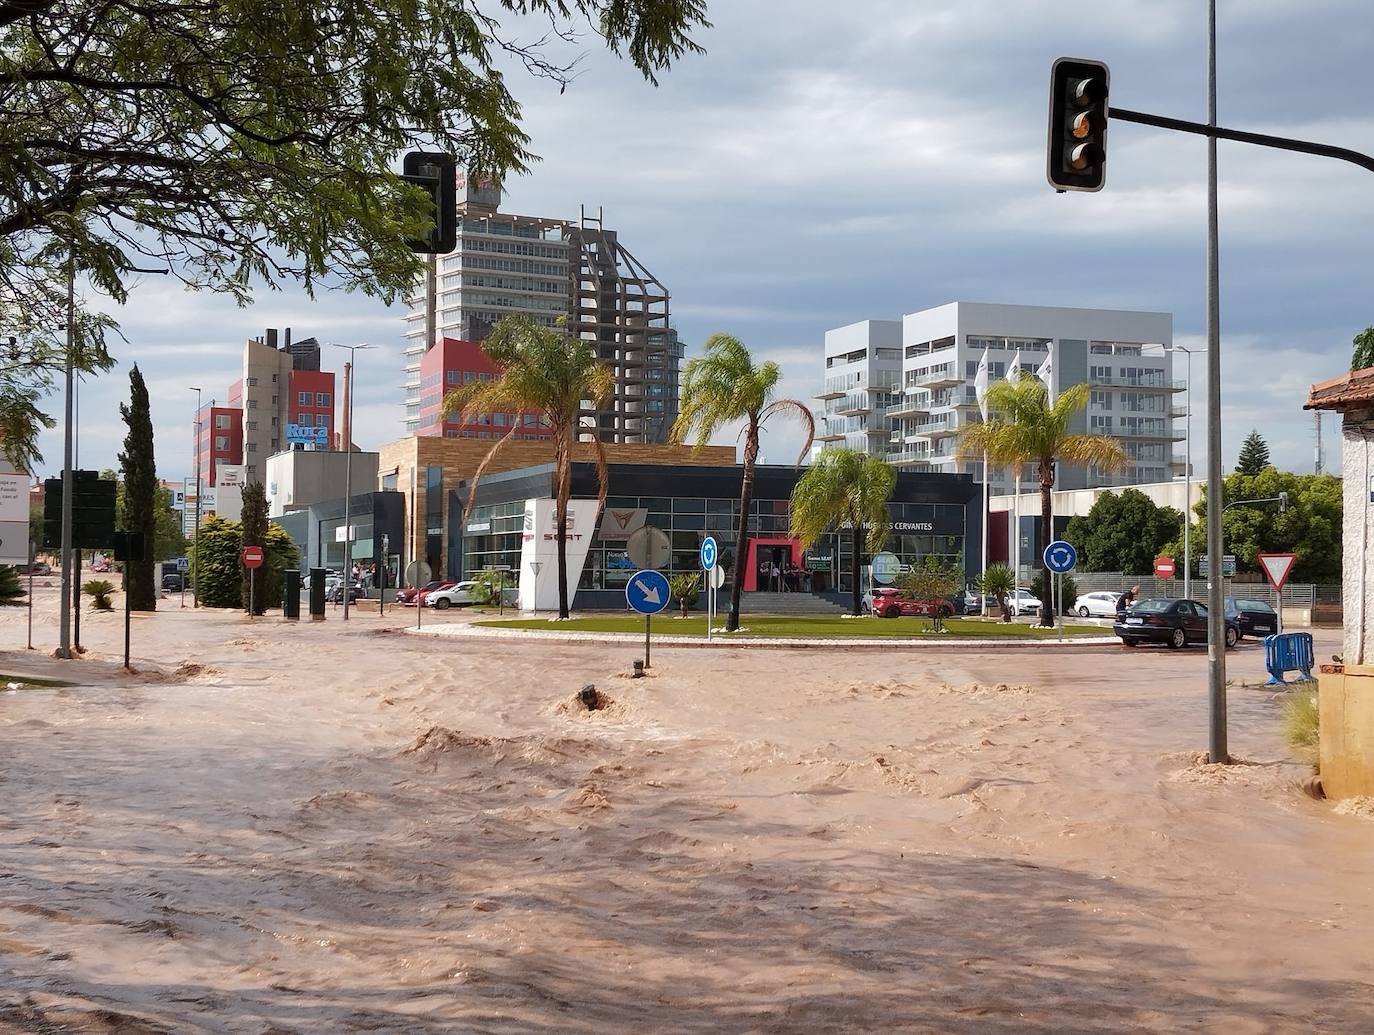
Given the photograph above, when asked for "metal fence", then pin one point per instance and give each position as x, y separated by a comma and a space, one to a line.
1294, 594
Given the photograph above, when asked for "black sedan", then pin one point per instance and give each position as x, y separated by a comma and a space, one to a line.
1252, 617
1170, 621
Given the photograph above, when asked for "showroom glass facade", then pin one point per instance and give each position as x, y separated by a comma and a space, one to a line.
923, 526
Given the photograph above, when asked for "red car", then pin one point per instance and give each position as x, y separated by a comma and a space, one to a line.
890, 603
407, 596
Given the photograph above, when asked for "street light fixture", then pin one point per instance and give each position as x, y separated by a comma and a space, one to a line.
347, 441
195, 541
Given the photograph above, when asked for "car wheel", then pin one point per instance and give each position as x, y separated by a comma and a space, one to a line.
1232, 637
1128, 643
1082, 612
946, 612
892, 612
1178, 639
442, 604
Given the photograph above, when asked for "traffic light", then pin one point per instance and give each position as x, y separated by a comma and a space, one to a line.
1077, 154
438, 175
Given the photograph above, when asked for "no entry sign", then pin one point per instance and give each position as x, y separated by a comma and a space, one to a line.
1164, 567
252, 557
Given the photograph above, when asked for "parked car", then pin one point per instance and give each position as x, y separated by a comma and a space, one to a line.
973, 603
407, 595
893, 603
1096, 605
1023, 603
172, 582
1252, 617
459, 594
36, 568
333, 592
1171, 621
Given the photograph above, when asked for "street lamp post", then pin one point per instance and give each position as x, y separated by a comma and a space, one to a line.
348, 475
195, 541
70, 580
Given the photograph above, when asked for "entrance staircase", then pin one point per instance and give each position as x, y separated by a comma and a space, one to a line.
793, 603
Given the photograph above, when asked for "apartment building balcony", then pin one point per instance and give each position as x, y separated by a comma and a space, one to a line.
1178, 412
905, 457
907, 407
827, 435
943, 377
1152, 433
852, 405
1140, 384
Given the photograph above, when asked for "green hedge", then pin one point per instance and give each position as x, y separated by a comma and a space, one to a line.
217, 565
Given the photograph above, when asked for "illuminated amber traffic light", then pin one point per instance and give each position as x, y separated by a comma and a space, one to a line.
1077, 154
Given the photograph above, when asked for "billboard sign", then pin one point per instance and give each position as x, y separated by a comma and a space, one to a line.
308, 434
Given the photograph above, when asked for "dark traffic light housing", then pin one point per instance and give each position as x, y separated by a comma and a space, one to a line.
1077, 155
437, 174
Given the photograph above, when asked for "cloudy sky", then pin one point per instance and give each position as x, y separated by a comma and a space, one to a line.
825, 163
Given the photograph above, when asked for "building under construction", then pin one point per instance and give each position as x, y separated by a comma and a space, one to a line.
549, 270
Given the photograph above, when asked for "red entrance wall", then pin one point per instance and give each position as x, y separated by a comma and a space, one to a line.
751, 568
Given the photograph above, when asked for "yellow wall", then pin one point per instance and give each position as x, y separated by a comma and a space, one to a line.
1345, 702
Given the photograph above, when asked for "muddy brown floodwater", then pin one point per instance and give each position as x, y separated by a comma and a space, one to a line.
276, 828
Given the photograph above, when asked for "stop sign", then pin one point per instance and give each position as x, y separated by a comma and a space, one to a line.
1164, 567
252, 557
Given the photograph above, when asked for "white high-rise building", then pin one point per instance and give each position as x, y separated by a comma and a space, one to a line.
1126, 358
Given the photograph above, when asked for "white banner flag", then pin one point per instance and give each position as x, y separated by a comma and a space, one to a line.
980, 385
1014, 368
1046, 372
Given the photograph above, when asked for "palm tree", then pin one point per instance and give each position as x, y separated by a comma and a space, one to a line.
1025, 428
844, 486
546, 371
720, 388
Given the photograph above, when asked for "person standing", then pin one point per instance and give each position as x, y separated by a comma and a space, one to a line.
1126, 601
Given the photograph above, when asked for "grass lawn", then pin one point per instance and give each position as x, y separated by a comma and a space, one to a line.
801, 626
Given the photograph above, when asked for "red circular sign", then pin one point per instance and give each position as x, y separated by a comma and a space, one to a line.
1164, 567
252, 557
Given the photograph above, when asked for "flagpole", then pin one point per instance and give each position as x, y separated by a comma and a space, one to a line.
985, 527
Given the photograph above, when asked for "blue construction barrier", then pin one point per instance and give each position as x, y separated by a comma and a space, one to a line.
1287, 652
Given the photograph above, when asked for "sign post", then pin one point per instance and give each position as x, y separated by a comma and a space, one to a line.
647, 592
717, 579
1060, 558
709, 556
252, 560
417, 575
1277, 567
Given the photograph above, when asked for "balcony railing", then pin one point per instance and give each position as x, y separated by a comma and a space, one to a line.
1142, 383
945, 375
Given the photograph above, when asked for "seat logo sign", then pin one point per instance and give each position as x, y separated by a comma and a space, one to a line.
619, 523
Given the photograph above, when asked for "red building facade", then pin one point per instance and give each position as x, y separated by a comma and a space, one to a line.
221, 439
455, 363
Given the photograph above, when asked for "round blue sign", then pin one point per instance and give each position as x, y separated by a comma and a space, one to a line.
1060, 557
708, 552
647, 591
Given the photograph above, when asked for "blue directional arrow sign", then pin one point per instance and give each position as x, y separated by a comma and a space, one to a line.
709, 553
1060, 557
647, 591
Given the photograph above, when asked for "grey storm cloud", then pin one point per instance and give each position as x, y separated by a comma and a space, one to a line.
828, 163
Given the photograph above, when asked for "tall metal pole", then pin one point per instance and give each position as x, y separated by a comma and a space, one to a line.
195, 542
348, 489
64, 643
1188, 487
1216, 621
347, 441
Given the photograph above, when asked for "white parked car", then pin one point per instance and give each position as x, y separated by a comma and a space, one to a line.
1096, 605
459, 594
1023, 603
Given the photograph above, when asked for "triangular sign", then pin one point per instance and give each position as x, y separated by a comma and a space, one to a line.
1277, 566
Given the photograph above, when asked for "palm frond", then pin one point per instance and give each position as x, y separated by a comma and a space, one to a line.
799, 410
482, 469
1094, 451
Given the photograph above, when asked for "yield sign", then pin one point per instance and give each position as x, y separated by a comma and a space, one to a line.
1277, 566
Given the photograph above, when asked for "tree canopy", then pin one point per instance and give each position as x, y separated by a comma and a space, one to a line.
1310, 526
1123, 532
246, 141
1254, 455
1362, 356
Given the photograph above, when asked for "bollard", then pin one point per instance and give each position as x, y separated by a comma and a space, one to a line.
317, 577
291, 595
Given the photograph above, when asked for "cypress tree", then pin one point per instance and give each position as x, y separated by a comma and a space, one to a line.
1254, 455
253, 524
138, 512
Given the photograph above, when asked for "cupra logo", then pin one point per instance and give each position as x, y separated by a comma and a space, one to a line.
623, 517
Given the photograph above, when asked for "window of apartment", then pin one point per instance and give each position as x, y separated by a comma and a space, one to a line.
454, 377
252, 404
305, 398
274, 400
274, 378
221, 441
321, 420
251, 447
469, 376
222, 421
486, 377
1102, 400
276, 443
499, 420
322, 399
887, 353
531, 420
252, 425
252, 382
274, 422
1099, 374
1100, 423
